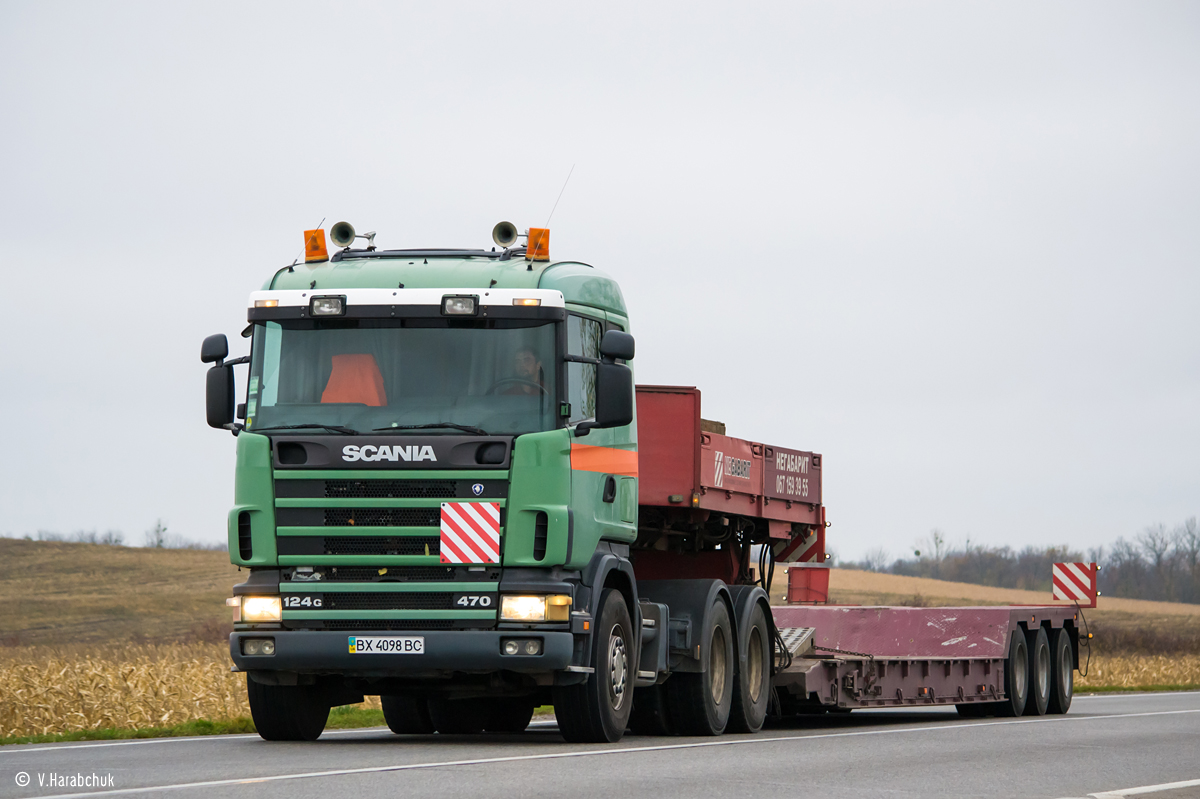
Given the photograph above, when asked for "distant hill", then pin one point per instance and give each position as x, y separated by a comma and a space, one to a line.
64, 593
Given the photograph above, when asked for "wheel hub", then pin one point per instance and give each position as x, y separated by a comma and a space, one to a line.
618, 666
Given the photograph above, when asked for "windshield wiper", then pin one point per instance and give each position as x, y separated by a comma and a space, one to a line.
466, 428
337, 428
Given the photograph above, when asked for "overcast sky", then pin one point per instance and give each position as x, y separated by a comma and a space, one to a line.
953, 247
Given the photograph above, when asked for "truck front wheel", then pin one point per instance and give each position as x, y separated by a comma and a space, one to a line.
287, 712
597, 710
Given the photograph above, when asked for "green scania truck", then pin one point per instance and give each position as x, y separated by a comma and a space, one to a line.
448, 494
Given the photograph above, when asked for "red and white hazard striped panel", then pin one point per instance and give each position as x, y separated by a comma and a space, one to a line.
1075, 582
810, 549
470, 532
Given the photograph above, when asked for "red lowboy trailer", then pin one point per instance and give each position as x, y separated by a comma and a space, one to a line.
707, 501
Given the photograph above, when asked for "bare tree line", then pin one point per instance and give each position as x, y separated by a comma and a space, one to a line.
157, 537
1159, 563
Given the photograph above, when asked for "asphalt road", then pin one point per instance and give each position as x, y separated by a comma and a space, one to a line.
1105, 744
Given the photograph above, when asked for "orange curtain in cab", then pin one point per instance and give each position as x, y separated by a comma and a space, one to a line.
355, 378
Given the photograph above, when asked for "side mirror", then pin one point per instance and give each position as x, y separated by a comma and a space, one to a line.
614, 384
214, 349
614, 395
616, 344
219, 394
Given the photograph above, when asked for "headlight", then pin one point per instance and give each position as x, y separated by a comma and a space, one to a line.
460, 305
522, 608
327, 306
262, 608
535, 608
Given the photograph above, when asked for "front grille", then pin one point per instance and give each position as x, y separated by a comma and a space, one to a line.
380, 624
372, 574
383, 517
389, 489
293, 488
359, 545
407, 600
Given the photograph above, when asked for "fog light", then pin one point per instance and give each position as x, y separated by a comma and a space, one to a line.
328, 306
251, 646
262, 608
268, 647
460, 305
511, 647
532, 647
522, 608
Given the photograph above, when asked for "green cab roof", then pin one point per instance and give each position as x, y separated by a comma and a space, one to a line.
579, 282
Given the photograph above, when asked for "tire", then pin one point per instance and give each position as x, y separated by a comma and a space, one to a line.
973, 710
508, 715
752, 688
1062, 672
597, 709
406, 716
1016, 677
458, 716
287, 712
650, 715
1040, 682
700, 703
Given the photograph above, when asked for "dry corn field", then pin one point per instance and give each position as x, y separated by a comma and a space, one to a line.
43, 691
1133, 671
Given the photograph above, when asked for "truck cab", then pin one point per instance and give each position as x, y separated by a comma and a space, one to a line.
435, 492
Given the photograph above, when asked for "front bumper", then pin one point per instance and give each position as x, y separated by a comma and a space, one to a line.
475, 651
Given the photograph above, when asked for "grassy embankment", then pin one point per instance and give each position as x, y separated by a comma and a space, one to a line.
113, 642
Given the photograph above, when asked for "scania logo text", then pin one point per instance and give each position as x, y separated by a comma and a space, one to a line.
370, 452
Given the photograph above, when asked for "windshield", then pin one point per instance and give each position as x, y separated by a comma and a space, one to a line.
367, 374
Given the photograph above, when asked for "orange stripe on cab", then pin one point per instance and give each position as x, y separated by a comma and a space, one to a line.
604, 459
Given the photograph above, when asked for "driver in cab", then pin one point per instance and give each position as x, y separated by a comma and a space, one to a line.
528, 376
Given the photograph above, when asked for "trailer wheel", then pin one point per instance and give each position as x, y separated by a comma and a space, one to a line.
650, 715
700, 703
406, 716
458, 716
597, 710
1016, 677
1062, 671
752, 689
1039, 672
287, 712
508, 715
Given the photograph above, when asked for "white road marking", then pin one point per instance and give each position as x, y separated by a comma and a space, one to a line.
1166, 786
600, 752
59, 747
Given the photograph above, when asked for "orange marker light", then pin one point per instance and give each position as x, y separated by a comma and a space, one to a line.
527, 301
314, 246
538, 246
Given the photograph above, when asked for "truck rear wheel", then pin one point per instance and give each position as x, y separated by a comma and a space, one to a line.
700, 703
287, 712
752, 689
650, 715
1016, 677
1039, 672
508, 715
458, 716
597, 710
1062, 671
406, 716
